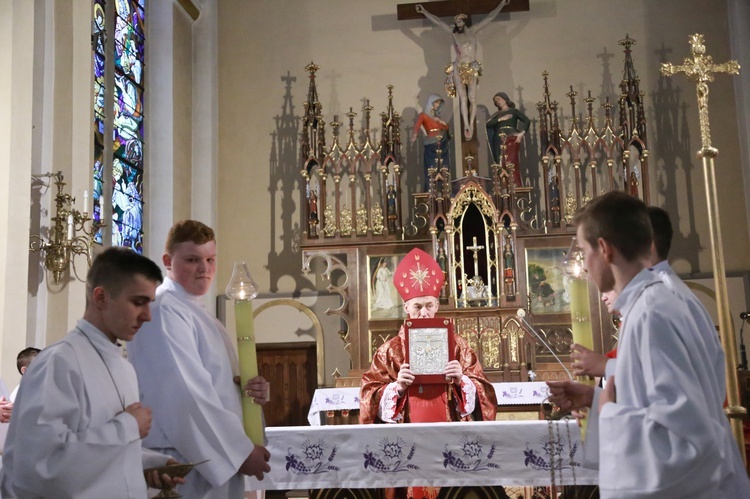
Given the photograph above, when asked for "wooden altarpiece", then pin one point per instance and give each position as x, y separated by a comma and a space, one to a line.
500, 245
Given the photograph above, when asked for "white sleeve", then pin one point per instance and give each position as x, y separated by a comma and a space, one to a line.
469, 393
609, 367
153, 459
388, 404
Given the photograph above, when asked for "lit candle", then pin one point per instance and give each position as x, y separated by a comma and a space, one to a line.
252, 418
71, 227
85, 201
580, 313
580, 321
242, 289
580, 307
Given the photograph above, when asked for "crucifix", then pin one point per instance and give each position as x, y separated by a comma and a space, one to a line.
475, 249
465, 69
701, 69
450, 8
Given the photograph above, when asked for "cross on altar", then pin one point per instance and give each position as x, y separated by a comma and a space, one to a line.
475, 249
450, 8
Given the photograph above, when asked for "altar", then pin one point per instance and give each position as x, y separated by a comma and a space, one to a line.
436, 454
342, 399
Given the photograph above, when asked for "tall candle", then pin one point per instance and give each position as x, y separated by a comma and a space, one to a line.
580, 319
252, 417
85, 201
71, 228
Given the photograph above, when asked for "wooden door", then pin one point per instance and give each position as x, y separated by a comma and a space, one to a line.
291, 369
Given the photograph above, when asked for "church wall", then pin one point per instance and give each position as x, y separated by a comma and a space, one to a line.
363, 48
739, 22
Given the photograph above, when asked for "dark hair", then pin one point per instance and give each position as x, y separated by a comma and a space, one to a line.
662, 227
621, 220
505, 98
115, 266
24, 357
188, 230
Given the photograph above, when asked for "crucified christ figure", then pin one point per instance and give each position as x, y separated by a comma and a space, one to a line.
465, 70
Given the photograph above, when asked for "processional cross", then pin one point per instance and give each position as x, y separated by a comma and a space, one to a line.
701, 69
475, 249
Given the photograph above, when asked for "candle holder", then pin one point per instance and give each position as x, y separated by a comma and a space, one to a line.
242, 289
62, 245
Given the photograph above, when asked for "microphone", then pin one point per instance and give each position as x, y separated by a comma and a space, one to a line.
521, 314
744, 315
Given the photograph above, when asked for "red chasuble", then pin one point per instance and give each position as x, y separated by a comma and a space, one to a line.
429, 402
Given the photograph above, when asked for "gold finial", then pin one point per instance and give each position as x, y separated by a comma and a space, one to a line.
627, 42
312, 68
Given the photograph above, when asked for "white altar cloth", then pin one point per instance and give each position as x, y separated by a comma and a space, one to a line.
336, 399
438, 454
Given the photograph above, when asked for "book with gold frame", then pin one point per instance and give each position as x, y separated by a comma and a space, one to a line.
429, 347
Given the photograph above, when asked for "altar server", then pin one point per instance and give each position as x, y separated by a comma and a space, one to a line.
77, 423
661, 428
187, 365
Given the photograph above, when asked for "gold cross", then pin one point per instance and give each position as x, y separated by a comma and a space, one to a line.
701, 69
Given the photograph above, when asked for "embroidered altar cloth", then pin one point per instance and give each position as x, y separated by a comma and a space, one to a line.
347, 398
419, 454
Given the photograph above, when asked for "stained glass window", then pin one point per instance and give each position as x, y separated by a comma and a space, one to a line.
127, 118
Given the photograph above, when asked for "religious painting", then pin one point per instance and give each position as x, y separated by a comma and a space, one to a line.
546, 284
383, 299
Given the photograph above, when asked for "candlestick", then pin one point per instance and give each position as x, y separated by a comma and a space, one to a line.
242, 289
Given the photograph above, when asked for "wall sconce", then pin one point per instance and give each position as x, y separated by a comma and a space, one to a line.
63, 244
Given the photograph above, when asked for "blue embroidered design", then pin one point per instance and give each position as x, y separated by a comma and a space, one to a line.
391, 461
311, 462
473, 458
550, 450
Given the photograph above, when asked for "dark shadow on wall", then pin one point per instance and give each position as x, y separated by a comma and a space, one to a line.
284, 257
670, 144
36, 269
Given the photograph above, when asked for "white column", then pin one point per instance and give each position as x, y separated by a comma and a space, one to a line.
159, 149
206, 128
17, 19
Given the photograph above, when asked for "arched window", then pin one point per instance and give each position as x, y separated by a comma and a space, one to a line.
118, 136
